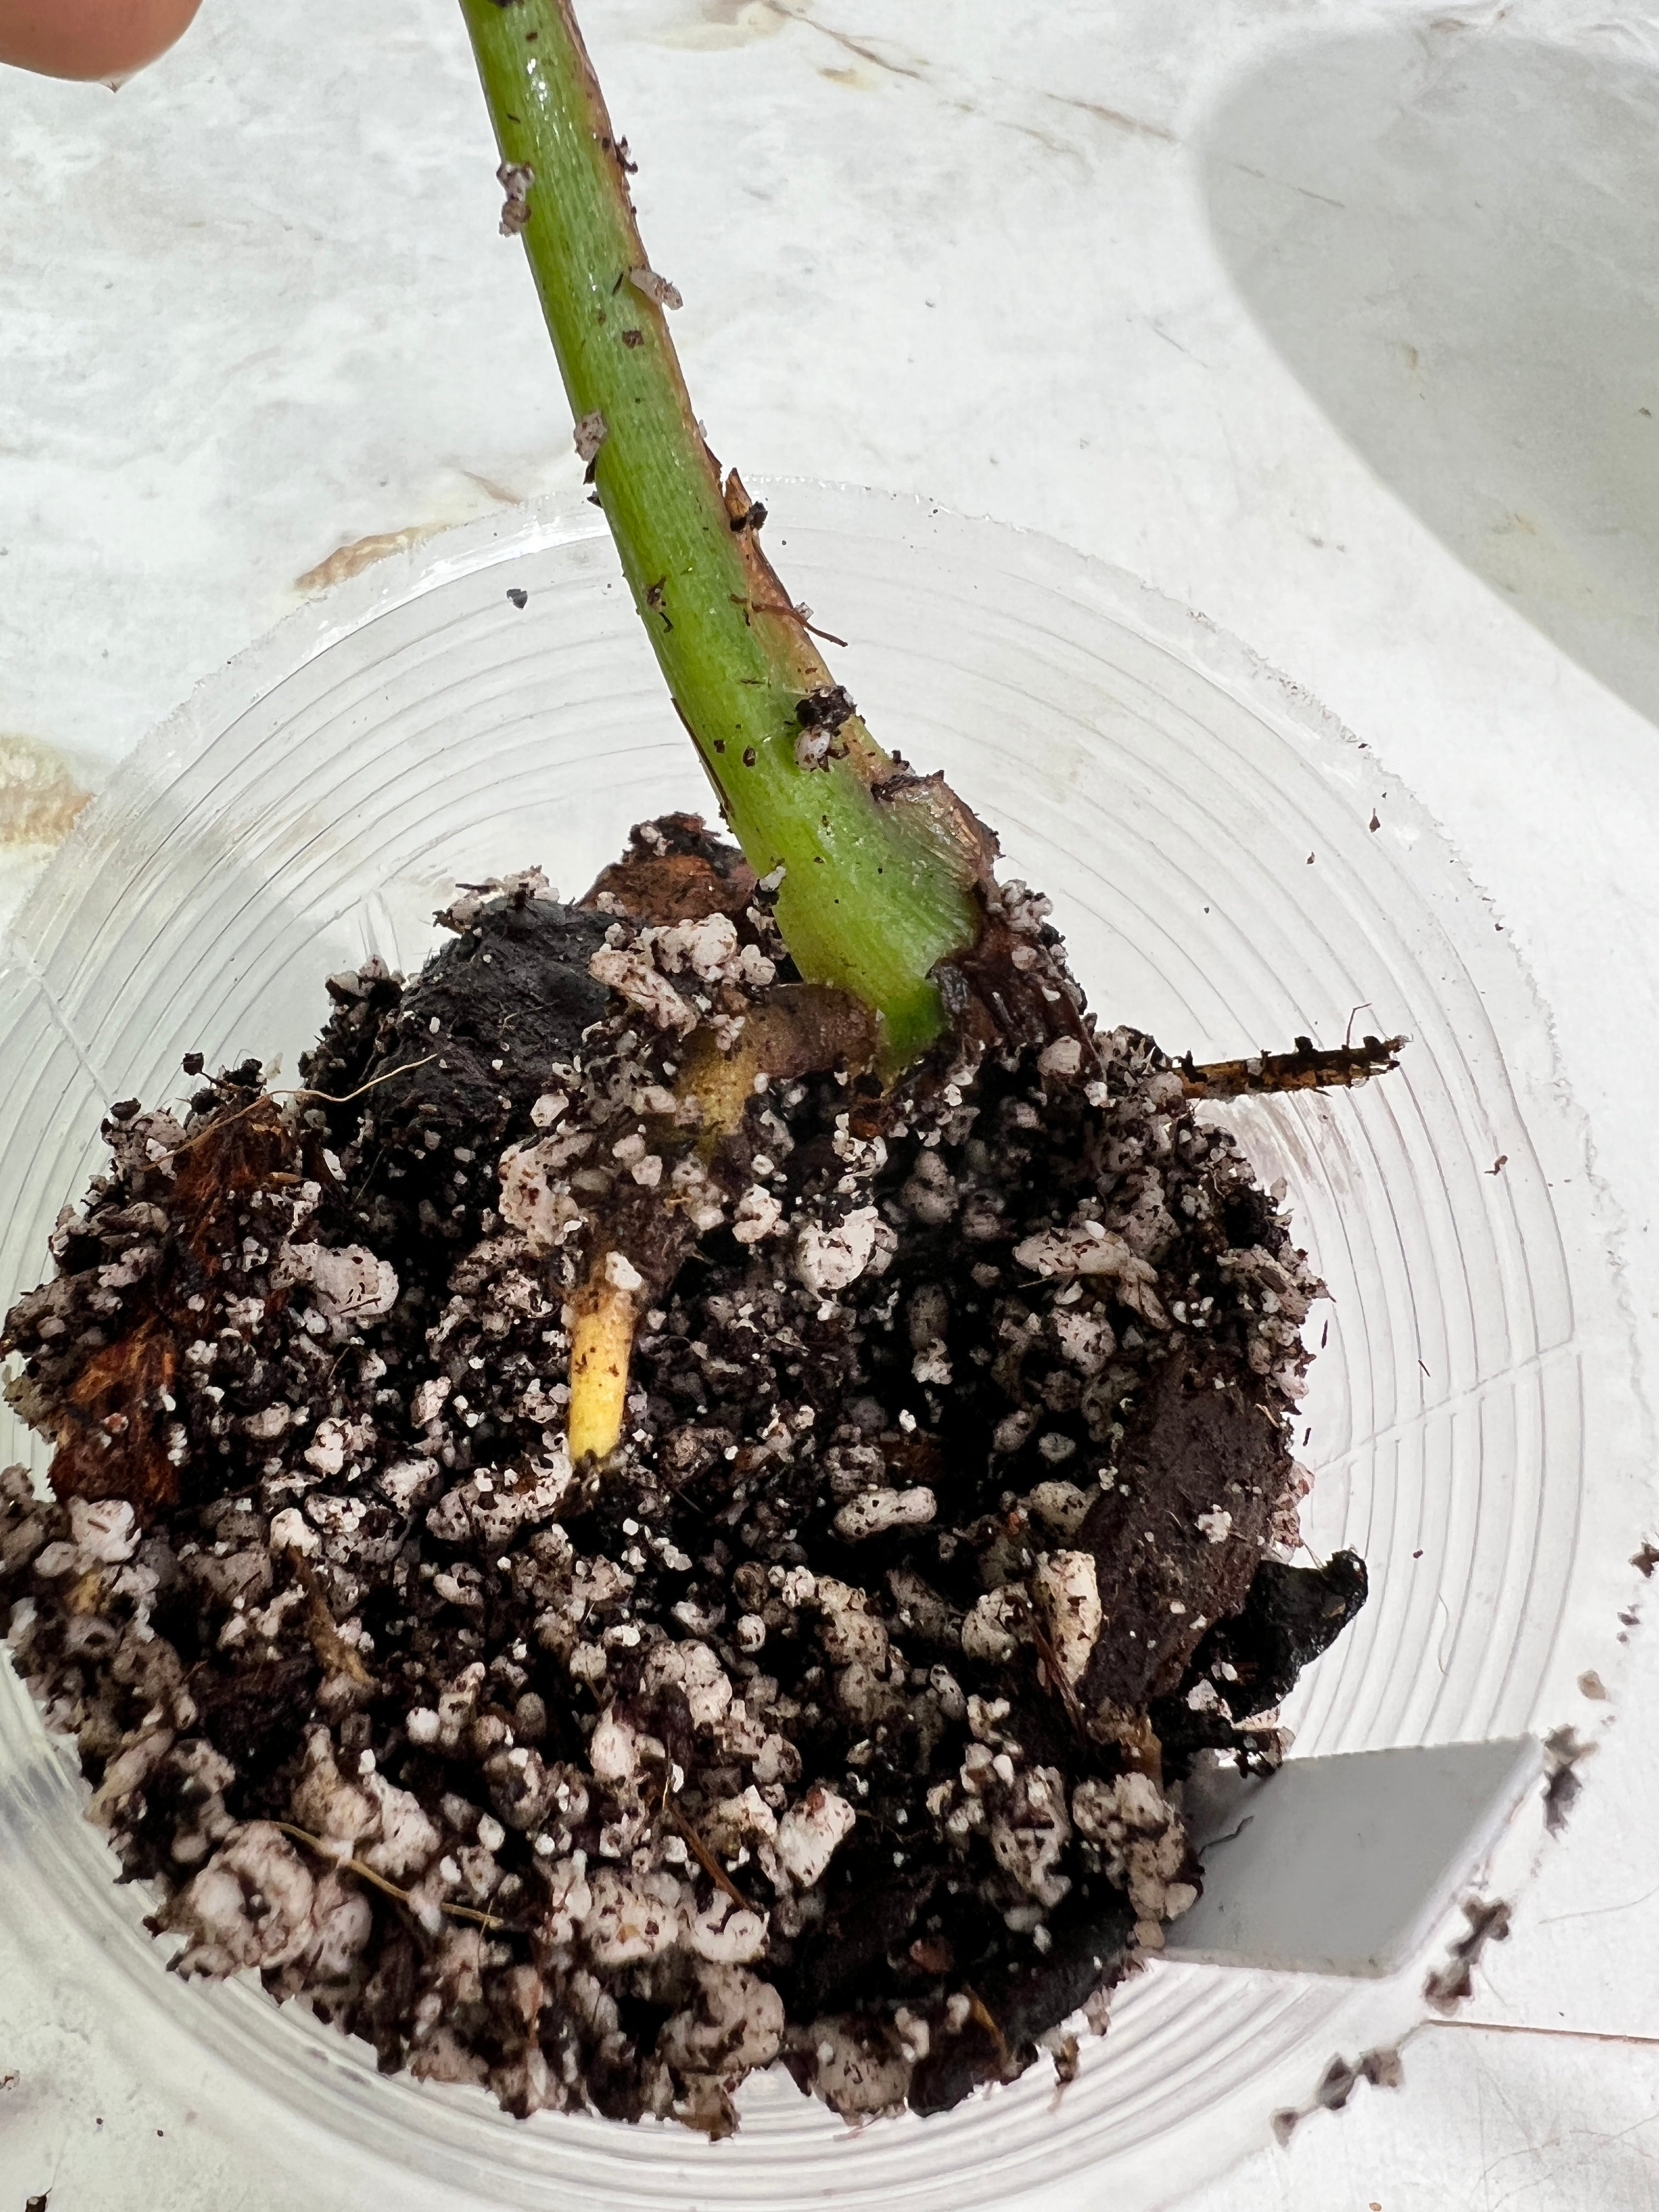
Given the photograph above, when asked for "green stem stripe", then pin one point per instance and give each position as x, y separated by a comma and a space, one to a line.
873, 893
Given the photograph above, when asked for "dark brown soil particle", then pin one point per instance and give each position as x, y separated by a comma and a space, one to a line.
841, 1716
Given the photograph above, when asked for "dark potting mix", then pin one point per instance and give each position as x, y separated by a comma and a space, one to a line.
837, 1713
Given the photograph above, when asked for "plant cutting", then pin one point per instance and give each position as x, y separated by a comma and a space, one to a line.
691, 1498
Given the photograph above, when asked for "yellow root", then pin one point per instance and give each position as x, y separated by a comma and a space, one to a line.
600, 1344
602, 1335
723, 1084
800, 1029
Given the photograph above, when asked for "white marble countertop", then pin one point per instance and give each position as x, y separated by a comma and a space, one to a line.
1333, 322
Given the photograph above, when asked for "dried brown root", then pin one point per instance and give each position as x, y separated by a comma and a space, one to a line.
1310, 1067
980, 2011
318, 1844
705, 1858
323, 1630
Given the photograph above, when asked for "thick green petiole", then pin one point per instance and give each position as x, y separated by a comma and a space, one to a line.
879, 868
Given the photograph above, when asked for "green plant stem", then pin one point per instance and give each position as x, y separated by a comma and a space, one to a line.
879, 870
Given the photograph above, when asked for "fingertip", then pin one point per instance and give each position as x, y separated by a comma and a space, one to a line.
91, 41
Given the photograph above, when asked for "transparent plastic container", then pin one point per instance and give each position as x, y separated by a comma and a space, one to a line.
1232, 871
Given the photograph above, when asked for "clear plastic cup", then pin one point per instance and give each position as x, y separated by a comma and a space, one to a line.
1232, 870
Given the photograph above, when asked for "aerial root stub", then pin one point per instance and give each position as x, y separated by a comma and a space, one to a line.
601, 1345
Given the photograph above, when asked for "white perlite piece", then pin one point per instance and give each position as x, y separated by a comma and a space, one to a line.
535, 1198
403, 1482
631, 1919
613, 1750
1217, 1526
1085, 1339
1145, 1844
736, 2024
1060, 1506
250, 1905
103, 1529
1063, 1057
859, 2072
1068, 1592
636, 978
347, 1282
992, 1630
828, 1260
932, 1365
707, 1688
724, 1938
848, 1631
758, 1215
408, 1840
810, 1833
327, 1803
326, 1452
290, 1532
707, 947
875, 1510
704, 1205
1028, 1832
1089, 1249
126, 1772
737, 1821
428, 1400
